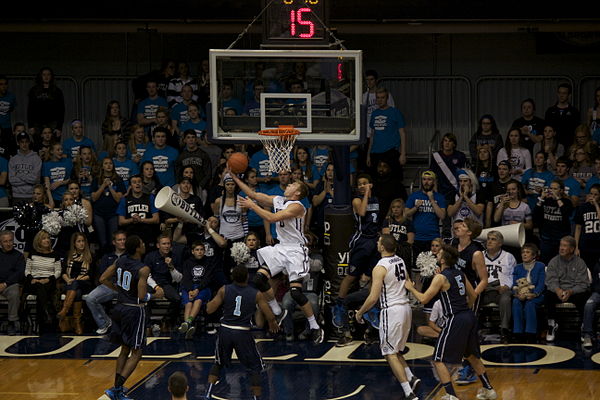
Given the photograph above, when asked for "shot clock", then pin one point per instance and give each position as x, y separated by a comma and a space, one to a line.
295, 22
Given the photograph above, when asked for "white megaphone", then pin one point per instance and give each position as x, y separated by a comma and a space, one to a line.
170, 202
514, 234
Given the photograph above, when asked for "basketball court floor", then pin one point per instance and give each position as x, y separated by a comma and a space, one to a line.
81, 367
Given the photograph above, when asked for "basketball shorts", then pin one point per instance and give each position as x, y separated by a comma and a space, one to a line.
458, 339
363, 256
129, 326
292, 260
203, 295
394, 327
243, 343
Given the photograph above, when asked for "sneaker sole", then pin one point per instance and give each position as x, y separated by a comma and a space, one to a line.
320, 338
190, 333
415, 385
281, 317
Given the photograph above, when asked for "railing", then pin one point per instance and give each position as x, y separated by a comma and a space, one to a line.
432, 103
20, 85
587, 94
501, 95
96, 92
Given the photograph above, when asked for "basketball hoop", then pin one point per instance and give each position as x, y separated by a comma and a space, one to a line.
278, 144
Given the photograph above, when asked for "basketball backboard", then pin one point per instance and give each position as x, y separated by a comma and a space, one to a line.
317, 92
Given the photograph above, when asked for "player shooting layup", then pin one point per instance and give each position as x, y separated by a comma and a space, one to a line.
290, 255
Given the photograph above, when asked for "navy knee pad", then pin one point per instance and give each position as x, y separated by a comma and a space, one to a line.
298, 296
261, 282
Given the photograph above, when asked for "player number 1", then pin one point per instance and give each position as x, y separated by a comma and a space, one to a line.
238, 306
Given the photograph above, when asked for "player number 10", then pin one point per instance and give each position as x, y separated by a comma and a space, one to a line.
296, 18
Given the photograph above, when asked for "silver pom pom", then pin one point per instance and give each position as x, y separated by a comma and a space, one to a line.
52, 223
240, 253
427, 264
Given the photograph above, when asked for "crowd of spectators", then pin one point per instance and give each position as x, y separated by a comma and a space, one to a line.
543, 173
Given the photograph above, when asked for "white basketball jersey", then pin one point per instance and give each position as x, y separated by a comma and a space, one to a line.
500, 268
289, 231
393, 292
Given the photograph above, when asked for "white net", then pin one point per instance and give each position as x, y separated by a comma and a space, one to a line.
278, 148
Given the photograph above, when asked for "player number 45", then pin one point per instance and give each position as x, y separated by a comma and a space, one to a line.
400, 274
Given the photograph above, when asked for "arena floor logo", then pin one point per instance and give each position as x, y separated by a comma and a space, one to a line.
493, 355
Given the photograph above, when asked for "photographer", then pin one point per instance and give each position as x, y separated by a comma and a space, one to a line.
551, 216
512, 209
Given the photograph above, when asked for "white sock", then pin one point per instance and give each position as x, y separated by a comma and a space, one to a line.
409, 374
312, 321
275, 307
406, 388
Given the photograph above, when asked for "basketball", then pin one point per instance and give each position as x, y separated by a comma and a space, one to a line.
238, 163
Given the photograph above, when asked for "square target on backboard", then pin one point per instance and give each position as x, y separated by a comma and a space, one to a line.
317, 92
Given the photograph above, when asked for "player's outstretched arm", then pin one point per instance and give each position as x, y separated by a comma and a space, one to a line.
436, 286
377, 277
263, 199
216, 302
292, 211
266, 310
106, 277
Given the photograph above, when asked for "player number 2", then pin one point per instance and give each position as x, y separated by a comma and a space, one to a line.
592, 226
461, 285
123, 279
238, 306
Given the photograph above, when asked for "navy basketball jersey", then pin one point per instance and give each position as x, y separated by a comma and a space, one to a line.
239, 304
368, 226
454, 300
127, 279
139, 206
465, 261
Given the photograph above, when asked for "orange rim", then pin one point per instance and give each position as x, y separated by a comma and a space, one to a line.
283, 130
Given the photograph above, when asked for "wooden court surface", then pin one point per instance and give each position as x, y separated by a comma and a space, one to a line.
62, 378
82, 367
533, 384
25, 379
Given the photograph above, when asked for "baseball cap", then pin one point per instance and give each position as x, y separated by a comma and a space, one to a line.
429, 174
504, 162
461, 173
